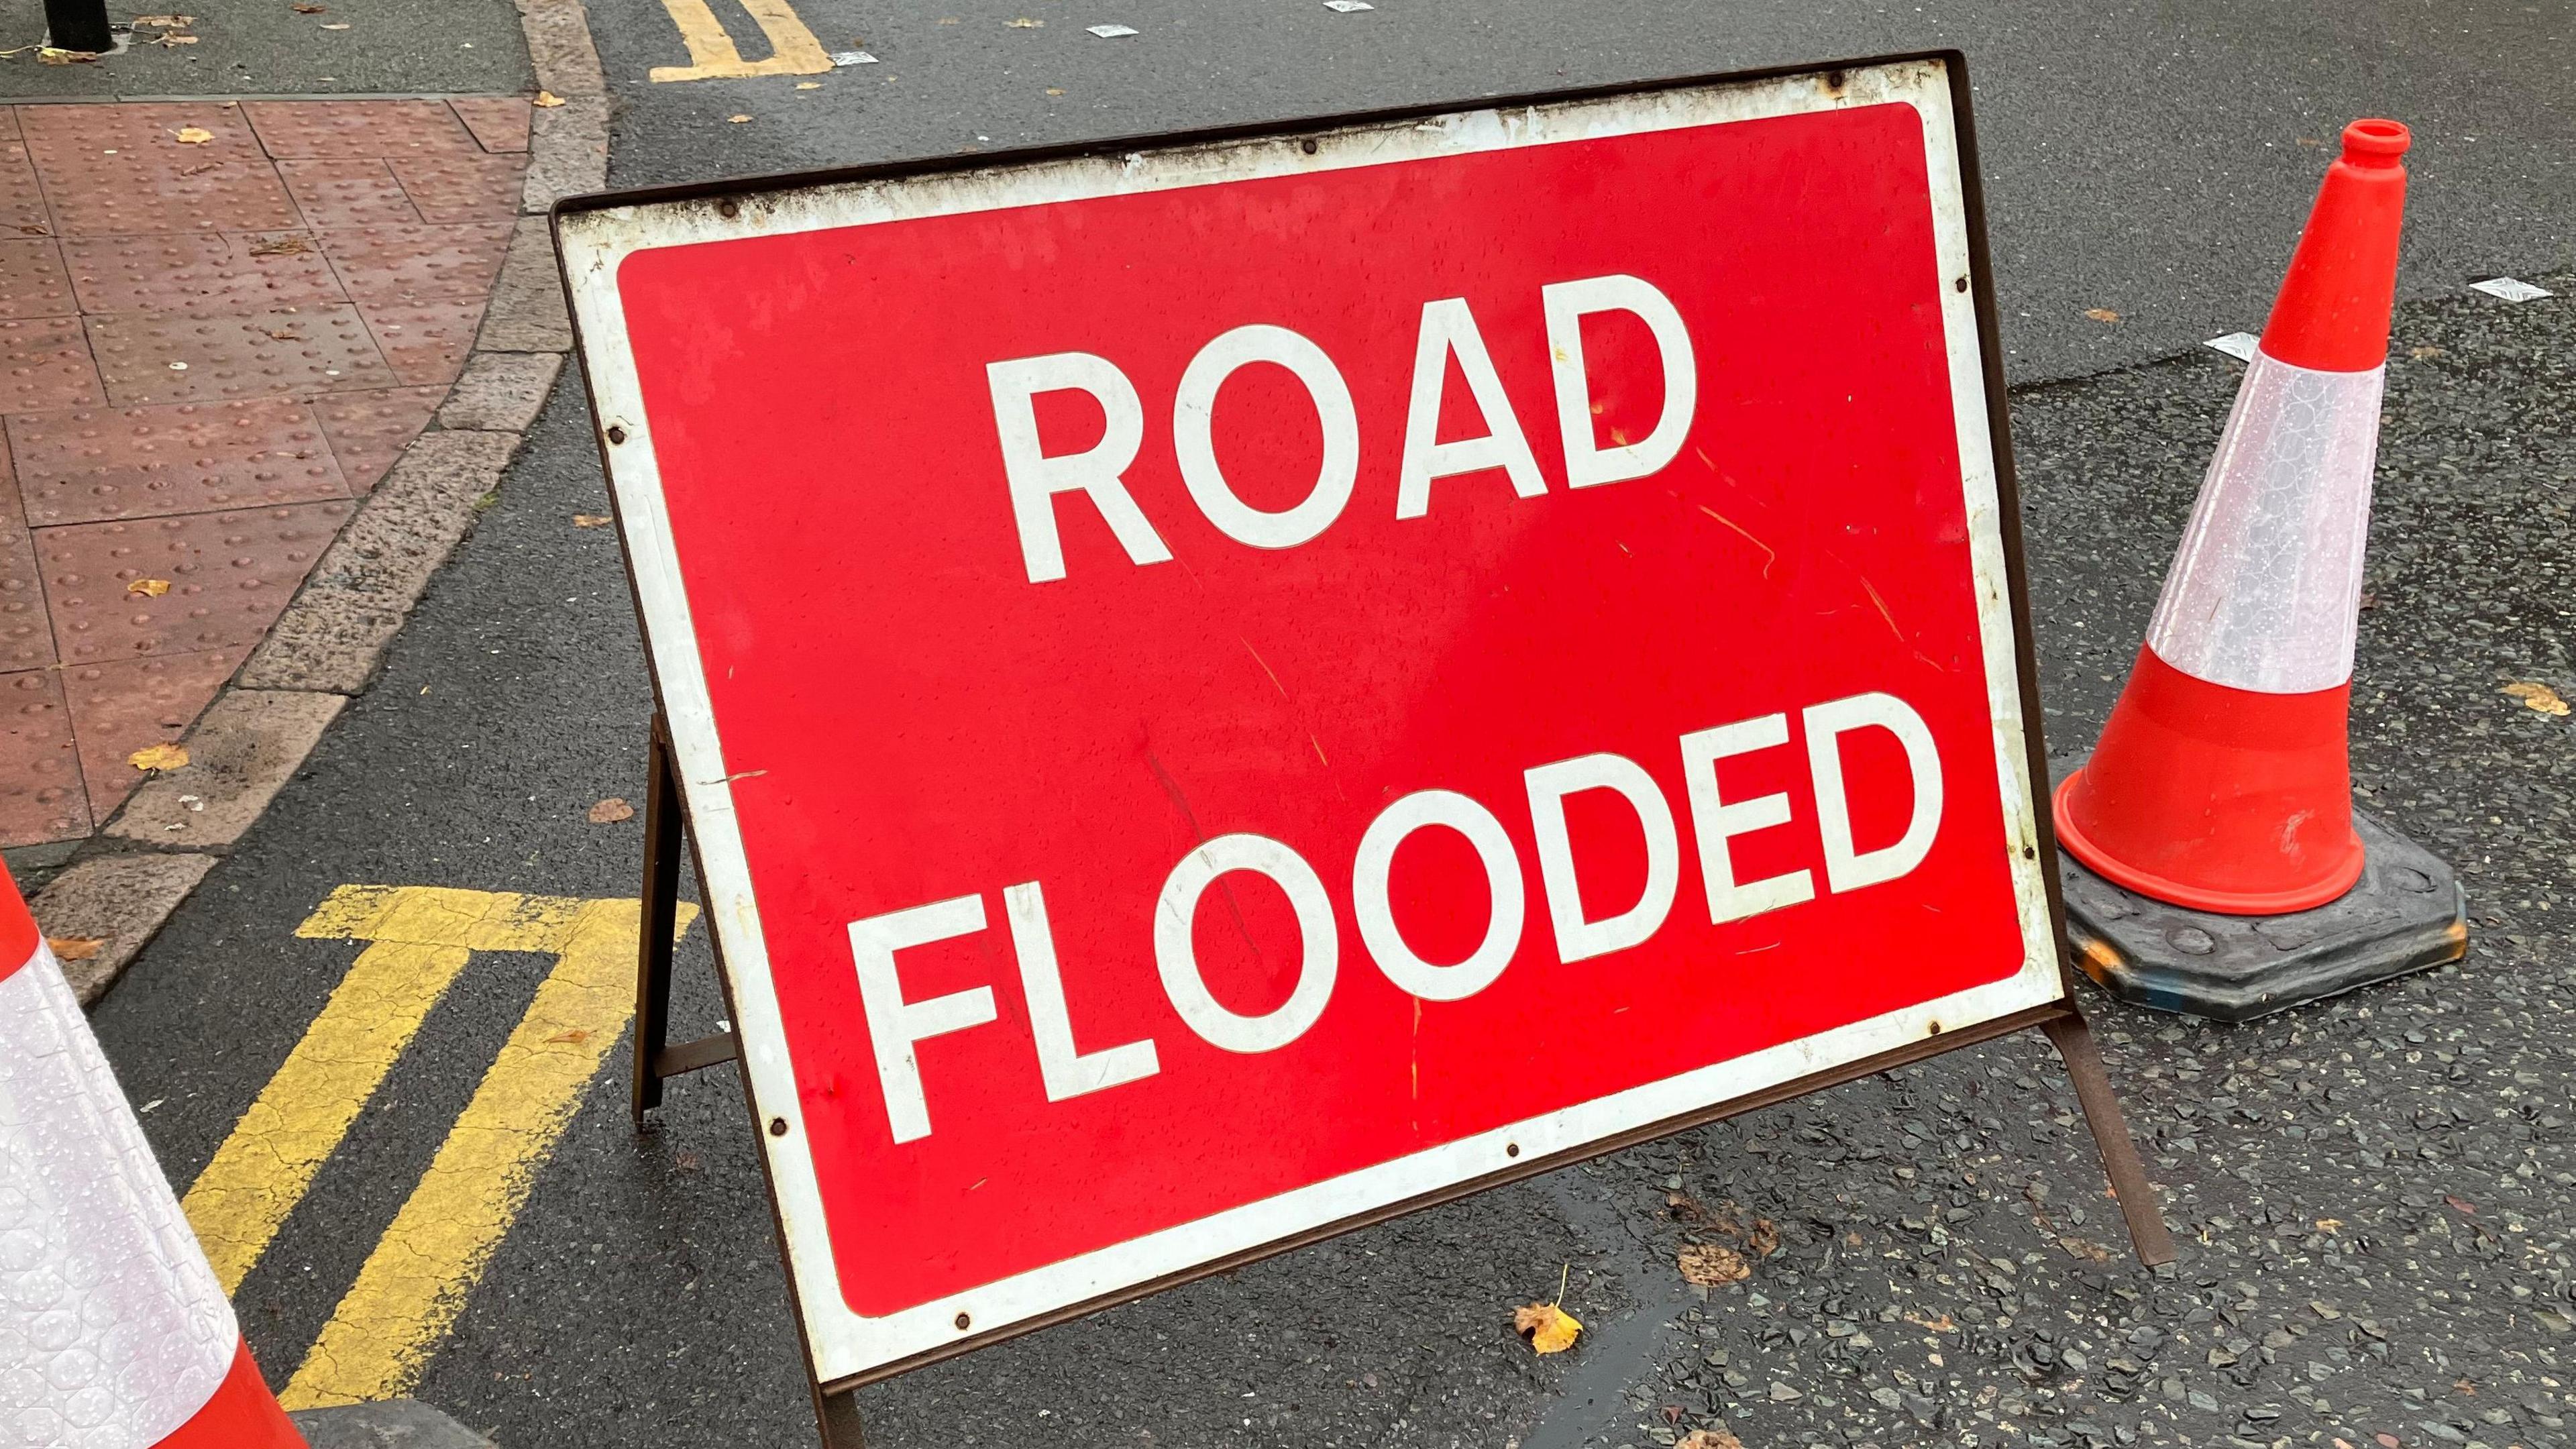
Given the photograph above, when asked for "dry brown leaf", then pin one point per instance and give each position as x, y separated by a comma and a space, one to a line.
165, 22
75, 948
1709, 1439
51, 56
610, 811
147, 588
591, 520
194, 135
1938, 1323
288, 244
1709, 1265
311, 9
2422, 354
173, 38
2537, 697
547, 100
2084, 1248
574, 1037
158, 757
2101, 314
1548, 1328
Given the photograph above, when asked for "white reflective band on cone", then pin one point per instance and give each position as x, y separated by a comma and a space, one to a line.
2265, 591
113, 1331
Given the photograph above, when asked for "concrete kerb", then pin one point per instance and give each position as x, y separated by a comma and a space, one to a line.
125, 881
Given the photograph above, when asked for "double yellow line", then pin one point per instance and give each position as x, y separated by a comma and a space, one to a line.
416, 1282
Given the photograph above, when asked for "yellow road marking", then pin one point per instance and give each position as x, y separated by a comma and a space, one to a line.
422, 938
416, 1282
793, 50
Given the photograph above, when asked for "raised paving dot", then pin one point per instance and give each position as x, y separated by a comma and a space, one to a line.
230, 575
411, 263
300, 129
32, 283
462, 188
90, 464
201, 272
40, 781
304, 349
356, 192
368, 430
45, 363
122, 707
426, 342
499, 122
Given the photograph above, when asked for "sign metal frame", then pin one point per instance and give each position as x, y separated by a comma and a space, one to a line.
591, 232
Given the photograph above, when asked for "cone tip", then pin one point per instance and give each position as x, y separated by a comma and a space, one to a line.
2374, 142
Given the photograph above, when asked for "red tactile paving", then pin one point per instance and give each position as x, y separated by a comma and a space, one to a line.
360, 191
230, 575
409, 263
499, 122
300, 129
318, 270
45, 363
368, 429
201, 272
426, 342
22, 203
462, 188
101, 463
26, 635
32, 283
149, 358
121, 168
119, 708
40, 779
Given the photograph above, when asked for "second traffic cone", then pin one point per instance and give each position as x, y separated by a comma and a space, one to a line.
114, 1333
2222, 781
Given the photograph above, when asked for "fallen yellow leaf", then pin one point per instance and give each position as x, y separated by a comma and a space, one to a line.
158, 757
809, 85
1938, 1323
1709, 1265
147, 588
2101, 314
591, 520
2329, 1226
194, 135
2421, 354
1055, 90
547, 99
1025, 23
737, 120
75, 948
2537, 696
1548, 1328
1709, 1439
165, 22
610, 811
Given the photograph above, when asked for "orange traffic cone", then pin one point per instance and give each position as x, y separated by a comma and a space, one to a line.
113, 1331
2222, 782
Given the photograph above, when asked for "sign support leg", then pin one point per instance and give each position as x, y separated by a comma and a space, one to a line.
2075, 1046
838, 1416
664, 827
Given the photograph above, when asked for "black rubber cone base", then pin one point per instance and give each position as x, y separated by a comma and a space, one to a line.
2405, 914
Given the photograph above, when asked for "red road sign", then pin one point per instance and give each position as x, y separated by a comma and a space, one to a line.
1227, 688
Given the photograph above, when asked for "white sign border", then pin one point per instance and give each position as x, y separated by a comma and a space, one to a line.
845, 1345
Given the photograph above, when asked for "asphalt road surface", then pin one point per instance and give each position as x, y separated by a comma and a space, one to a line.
2373, 1196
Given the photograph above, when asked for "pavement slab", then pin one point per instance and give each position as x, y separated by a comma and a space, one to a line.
89, 464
